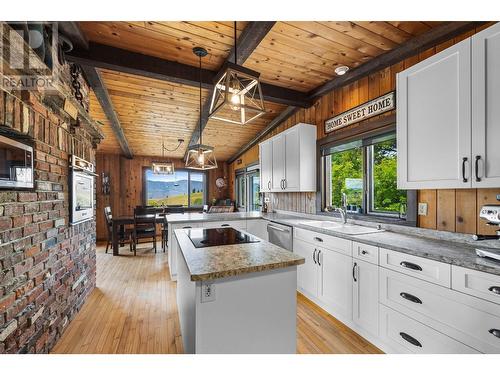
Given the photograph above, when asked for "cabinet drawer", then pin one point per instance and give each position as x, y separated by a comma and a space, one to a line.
425, 269
476, 283
340, 245
468, 319
411, 336
368, 253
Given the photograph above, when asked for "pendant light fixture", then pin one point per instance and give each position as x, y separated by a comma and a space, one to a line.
237, 95
165, 167
200, 156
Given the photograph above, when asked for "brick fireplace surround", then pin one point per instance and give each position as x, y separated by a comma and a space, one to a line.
47, 266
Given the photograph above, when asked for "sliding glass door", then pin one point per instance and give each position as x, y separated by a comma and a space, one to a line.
248, 189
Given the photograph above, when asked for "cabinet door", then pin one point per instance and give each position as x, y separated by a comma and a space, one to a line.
434, 121
266, 166
292, 160
336, 282
278, 152
365, 295
307, 273
485, 107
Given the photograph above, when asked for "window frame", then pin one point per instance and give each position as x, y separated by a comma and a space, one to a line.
189, 171
366, 138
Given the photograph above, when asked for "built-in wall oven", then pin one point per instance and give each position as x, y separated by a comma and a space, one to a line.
82, 190
16, 164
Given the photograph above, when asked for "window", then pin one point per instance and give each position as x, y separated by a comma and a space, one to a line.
365, 170
184, 188
247, 188
241, 192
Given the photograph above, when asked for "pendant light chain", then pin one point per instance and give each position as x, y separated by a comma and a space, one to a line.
235, 44
200, 102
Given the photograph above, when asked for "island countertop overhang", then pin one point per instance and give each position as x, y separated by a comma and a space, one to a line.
218, 262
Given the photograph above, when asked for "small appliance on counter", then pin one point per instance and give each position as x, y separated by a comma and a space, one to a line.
490, 213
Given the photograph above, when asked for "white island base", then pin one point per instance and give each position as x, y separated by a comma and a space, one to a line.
251, 313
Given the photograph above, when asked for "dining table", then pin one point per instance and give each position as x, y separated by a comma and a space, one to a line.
120, 221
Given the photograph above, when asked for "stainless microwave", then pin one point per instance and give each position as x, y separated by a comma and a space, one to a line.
16, 164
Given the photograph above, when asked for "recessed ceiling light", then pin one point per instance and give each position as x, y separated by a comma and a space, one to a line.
341, 70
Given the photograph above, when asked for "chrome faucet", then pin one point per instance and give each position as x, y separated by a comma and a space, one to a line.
343, 210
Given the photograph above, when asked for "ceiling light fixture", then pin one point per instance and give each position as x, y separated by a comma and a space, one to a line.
341, 70
200, 156
165, 167
237, 95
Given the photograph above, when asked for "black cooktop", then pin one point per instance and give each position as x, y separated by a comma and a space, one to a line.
219, 237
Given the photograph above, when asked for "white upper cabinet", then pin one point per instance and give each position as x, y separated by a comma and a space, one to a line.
266, 165
288, 160
448, 117
486, 107
434, 121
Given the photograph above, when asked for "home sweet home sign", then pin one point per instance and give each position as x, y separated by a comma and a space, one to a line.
362, 112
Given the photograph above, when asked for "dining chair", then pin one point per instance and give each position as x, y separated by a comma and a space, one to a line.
144, 226
124, 234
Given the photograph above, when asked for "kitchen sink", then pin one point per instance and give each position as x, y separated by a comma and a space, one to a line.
337, 227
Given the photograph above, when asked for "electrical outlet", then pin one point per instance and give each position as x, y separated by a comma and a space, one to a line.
267, 200
498, 197
422, 209
207, 292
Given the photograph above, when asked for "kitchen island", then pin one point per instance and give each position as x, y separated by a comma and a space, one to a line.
237, 298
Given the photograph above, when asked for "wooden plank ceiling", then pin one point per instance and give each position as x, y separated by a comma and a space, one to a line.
295, 55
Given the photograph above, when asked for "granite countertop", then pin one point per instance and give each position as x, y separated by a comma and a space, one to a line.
217, 262
446, 251
192, 217
446, 247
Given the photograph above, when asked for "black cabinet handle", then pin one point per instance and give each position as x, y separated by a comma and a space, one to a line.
494, 289
476, 167
314, 256
411, 266
269, 185
464, 160
319, 239
410, 297
364, 252
225, 225
187, 227
354, 272
319, 252
284, 183
495, 332
410, 339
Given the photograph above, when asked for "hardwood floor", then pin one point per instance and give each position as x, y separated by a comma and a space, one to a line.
134, 310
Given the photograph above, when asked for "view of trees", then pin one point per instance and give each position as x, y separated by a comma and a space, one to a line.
347, 177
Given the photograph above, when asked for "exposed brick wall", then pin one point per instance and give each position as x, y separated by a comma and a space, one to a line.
47, 267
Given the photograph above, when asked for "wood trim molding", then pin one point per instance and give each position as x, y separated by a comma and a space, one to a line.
95, 81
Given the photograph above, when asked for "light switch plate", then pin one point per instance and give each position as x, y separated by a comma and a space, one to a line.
207, 292
422, 209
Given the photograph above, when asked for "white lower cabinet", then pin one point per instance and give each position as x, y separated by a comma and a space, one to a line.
406, 335
335, 282
173, 251
325, 278
307, 273
365, 296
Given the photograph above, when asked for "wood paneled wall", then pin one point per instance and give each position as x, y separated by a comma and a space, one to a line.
126, 179
450, 210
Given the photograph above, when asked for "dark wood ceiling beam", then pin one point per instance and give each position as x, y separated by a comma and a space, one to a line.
283, 116
248, 40
120, 60
72, 31
412, 47
96, 83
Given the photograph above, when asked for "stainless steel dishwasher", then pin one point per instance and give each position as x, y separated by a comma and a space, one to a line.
280, 235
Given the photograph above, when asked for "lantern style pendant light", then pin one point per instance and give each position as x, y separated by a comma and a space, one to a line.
165, 167
237, 95
200, 156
